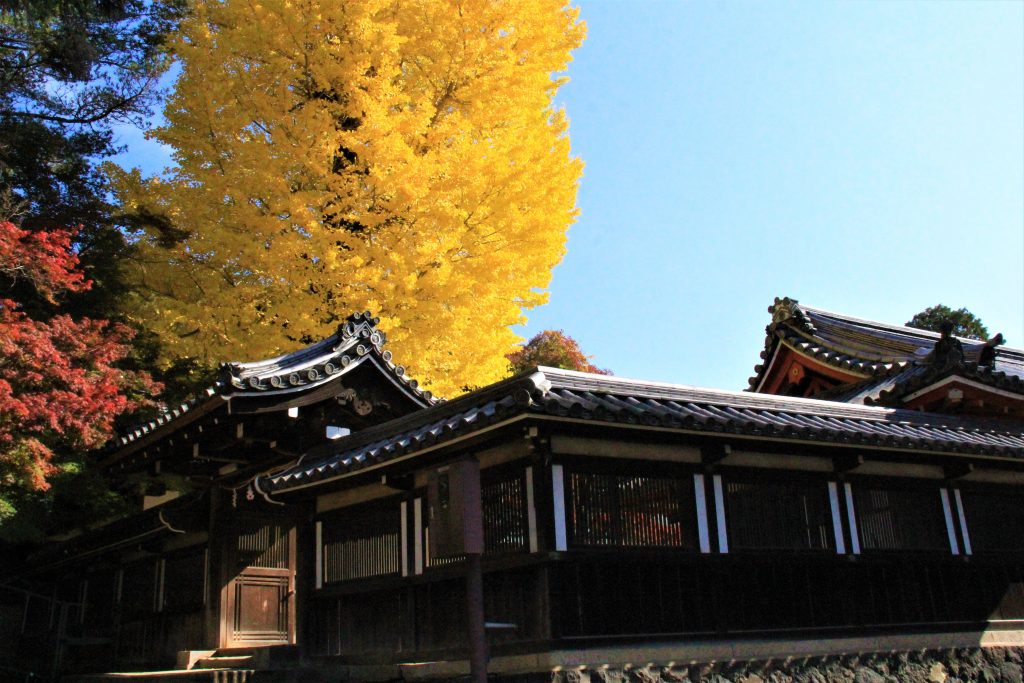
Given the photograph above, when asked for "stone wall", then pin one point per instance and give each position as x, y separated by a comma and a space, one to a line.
987, 665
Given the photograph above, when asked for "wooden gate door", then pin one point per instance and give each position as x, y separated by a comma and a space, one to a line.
259, 596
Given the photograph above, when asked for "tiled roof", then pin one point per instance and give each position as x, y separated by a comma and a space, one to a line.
603, 399
356, 338
357, 341
867, 348
889, 389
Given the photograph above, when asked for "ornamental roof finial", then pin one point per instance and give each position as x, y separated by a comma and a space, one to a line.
948, 352
988, 351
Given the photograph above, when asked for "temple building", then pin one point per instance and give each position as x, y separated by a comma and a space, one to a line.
319, 512
818, 354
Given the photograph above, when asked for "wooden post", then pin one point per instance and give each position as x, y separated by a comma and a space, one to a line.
457, 528
473, 544
475, 618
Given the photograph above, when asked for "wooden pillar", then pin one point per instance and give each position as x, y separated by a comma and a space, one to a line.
544, 524
214, 569
475, 623
473, 543
305, 566
455, 514
542, 489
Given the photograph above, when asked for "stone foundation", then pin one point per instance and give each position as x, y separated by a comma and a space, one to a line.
963, 665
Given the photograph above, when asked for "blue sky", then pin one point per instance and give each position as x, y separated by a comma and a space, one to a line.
864, 157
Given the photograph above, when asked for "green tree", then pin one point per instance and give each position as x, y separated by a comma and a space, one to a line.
82, 62
965, 323
554, 349
69, 71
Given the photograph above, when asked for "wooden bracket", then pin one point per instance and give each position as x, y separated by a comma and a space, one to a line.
714, 452
847, 462
402, 482
958, 470
537, 442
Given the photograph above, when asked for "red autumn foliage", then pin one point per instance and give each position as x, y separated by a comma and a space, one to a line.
555, 349
59, 387
44, 259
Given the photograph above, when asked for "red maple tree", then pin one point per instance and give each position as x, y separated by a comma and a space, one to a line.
555, 349
60, 387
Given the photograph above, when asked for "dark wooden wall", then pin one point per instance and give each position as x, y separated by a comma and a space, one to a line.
633, 565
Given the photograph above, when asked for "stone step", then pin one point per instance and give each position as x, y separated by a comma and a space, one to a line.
187, 658
262, 658
171, 676
219, 661
233, 675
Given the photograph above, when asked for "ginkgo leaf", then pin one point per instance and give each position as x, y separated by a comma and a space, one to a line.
341, 156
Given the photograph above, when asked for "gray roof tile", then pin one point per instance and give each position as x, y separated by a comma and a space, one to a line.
356, 341
605, 399
892, 359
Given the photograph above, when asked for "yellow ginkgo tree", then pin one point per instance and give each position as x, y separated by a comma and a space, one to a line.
401, 156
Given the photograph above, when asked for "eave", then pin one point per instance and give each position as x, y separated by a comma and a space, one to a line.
862, 347
308, 376
790, 365
584, 399
961, 395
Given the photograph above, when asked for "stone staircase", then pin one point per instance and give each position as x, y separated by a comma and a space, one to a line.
235, 665
234, 660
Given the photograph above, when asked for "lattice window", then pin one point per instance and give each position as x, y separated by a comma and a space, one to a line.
432, 559
504, 512
783, 515
895, 519
995, 521
632, 511
263, 544
362, 543
503, 506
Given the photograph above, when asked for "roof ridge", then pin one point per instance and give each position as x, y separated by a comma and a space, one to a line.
769, 401
315, 364
910, 331
850, 342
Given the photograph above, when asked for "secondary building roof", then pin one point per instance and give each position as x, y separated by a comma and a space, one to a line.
351, 368
812, 352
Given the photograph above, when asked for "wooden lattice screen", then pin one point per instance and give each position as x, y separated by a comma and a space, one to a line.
894, 519
995, 520
362, 543
624, 510
767, 514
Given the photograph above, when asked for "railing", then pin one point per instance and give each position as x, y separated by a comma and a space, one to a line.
594, 595
155, 639
423, 615
746, 593
29, 634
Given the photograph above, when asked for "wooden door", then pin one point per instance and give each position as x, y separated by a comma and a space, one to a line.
259, 600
